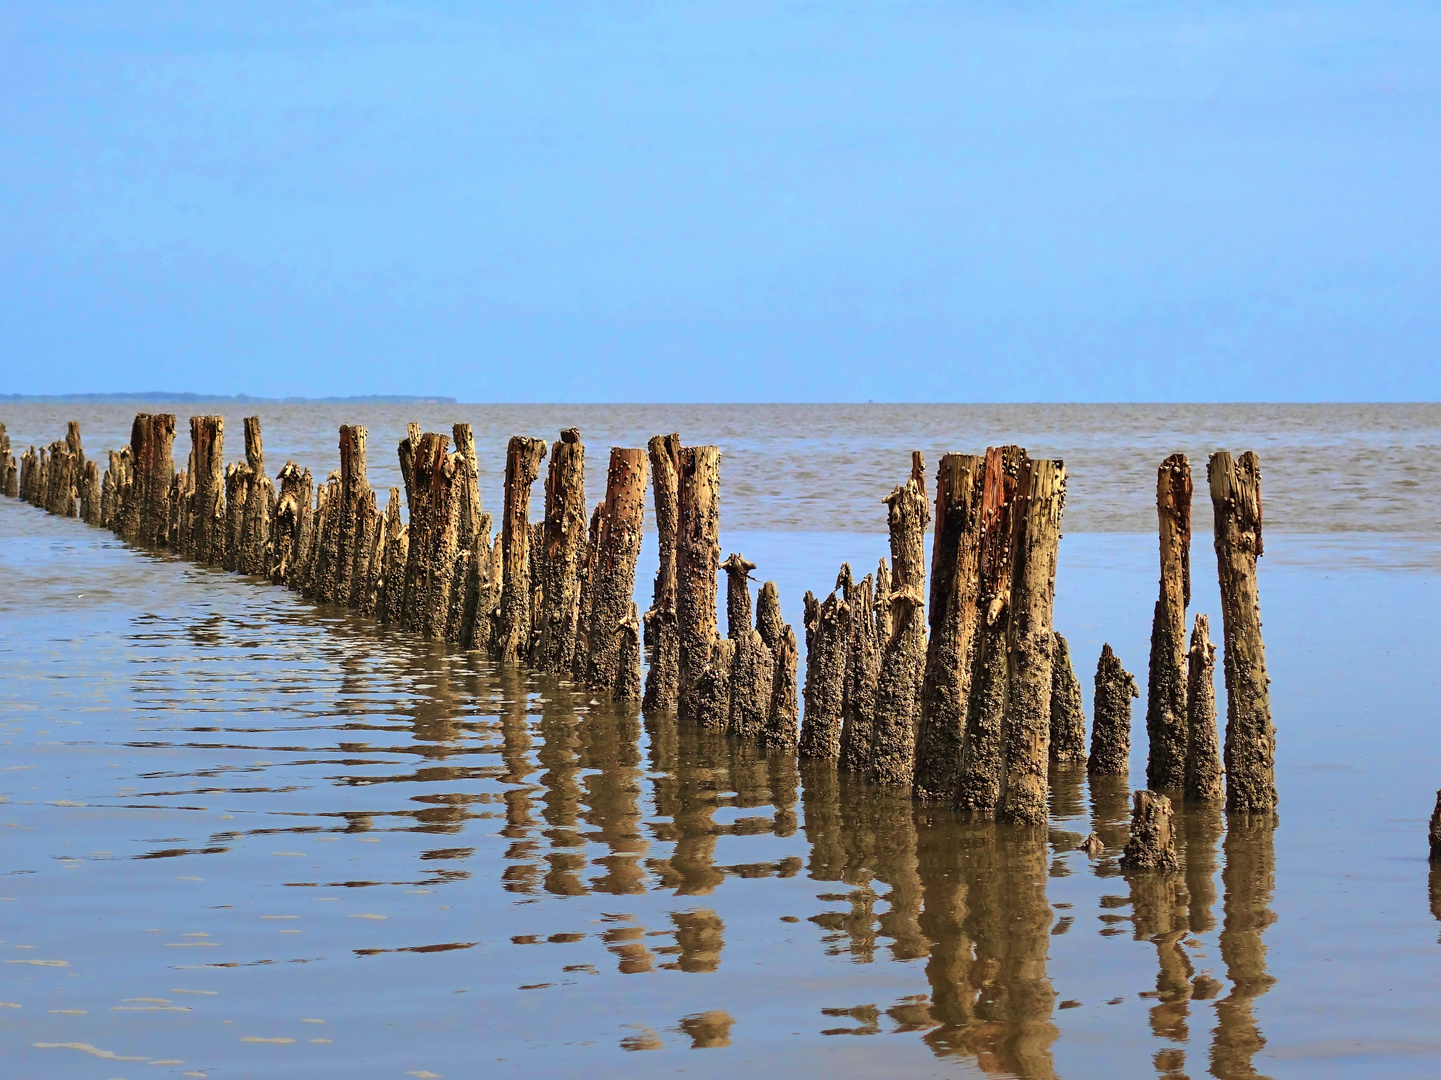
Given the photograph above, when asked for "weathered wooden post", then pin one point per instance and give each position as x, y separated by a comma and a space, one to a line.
828, 636
9, 478
291, 509
1203, 752
863, 673
614, 581
389, 604
954, 619
207, 470
1166, 686
983, 757
1111, 728
1436, 832
1068, 711
237, 488
513, 626
752, 677
1250, 736
738, 594
152, 438
90, 493
564, 539
436, 465
662, 681
1152, 845
697, 567
627, 679
1025, 788
781, 720
903, 651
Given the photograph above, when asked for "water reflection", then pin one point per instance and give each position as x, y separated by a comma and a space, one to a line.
687, 840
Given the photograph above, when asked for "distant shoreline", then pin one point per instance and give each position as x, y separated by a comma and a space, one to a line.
161, 395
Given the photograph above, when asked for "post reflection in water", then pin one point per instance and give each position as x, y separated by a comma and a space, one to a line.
597, 799
1249, 878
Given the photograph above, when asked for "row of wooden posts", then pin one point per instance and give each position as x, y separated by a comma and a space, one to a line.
970, 701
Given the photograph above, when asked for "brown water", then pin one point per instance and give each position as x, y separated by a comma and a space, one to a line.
244, 836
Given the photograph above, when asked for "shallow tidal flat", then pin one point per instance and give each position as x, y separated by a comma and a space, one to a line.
244, 835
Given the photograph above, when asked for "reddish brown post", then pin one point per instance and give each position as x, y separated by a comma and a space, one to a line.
618, 549
564, 540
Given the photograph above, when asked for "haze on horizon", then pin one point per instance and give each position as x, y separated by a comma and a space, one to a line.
731, 201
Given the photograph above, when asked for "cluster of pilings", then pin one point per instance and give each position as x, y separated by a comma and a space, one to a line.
970, 706
976, 711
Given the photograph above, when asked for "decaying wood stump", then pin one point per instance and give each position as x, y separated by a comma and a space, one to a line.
769, 620
863, 673
710, 698
738, 594
1111, 727
1166, 687
903, 650
390, 602
436, 465
564, 545
292, 507
1250, 735
90, 493
954, 619
1152, 845
752, 682
152, 438
1436, 832
1025, 788
470, 521
697, 568
587, 591
515, 618
207, 478
1203, 752
365, 523
325, 548
9, 476
627, 679
354, 485
614, 575
828, 636
781, 720
662, 682
1068, 710
983, 756
237, 487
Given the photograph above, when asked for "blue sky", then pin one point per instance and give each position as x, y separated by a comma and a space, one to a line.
723, 202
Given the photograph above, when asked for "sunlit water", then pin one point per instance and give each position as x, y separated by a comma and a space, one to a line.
245, 836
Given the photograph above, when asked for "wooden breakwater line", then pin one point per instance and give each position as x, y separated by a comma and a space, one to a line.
970, 702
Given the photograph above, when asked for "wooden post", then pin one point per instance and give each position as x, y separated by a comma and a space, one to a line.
259, 504
784, 708
587, 591
627, 680
291, 509
1068, 711
325, 547
828, 636
1111, 729
738, 594
89, 493
468, 523
662, 683
147, 515
390, 602
954, 620
236, 489
1152, 845
207, 469
1025, 788
1203, 752
522, 466
614, 583
1250, 736
697, 567
1166, 685
1436, 832
564, 542
752, 683
9, 478
367, 522
903, 653
863, 673
436, 466
983, 756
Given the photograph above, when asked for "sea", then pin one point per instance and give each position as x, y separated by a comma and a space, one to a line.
242, 835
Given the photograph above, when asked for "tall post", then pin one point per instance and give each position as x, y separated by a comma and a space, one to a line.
697, 568
564, 538
903, 652
1166, 686
207, 454
983, 757
522, 466
662, 681
955, 619
616, 554
1025, 788
1250, 736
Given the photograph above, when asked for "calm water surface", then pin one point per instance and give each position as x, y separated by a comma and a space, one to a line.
244, 836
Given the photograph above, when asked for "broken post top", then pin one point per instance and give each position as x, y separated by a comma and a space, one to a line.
254, 451
1236, 495
736, 563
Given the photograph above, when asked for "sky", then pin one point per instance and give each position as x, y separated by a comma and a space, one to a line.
734, 201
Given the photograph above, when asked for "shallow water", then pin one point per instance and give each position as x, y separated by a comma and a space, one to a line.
247, 837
